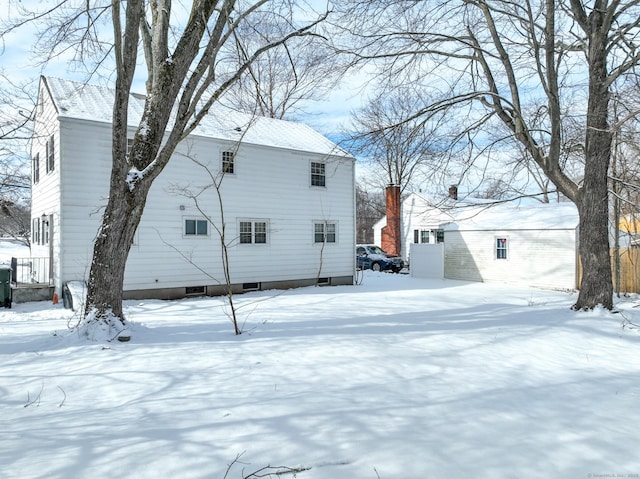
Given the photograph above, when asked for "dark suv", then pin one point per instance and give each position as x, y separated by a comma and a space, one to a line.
370, 256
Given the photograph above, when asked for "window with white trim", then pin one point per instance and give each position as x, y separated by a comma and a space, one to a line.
318, 174
35, 168
253, 231
196, 227
44, 234
35, 231
324, 232
501, 248
228, 162
50, 154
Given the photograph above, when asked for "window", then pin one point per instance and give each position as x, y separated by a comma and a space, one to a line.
35, 164
195, 227
260, 232
253, 232
416, 236
424, 236
44, 234
324, 232
50, 154
35, 231
439, 236
228, 162
194, 290
129, 145
501, 248
317, 174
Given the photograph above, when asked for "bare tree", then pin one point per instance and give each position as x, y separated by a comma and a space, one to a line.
16, 107
625, 176
282, 82
15, 220
190, 56
214, 184
398, 147
517, 65
370, 207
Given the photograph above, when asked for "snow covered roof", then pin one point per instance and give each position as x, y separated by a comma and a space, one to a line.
512, 216
95, 103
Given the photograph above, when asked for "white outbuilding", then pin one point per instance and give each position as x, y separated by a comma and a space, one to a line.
530, 244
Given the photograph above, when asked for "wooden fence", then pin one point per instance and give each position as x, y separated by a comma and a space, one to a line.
629, 270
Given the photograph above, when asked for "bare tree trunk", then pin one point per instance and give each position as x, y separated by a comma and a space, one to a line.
106, 277
593, 198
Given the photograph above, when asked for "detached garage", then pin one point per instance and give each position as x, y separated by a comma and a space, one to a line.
532, 245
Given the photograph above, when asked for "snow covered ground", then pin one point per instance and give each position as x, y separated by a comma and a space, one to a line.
394, 378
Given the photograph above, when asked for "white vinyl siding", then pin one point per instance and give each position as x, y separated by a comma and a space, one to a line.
273, 189
471, 256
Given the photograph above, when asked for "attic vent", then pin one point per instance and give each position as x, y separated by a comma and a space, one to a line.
194, 290
250, 286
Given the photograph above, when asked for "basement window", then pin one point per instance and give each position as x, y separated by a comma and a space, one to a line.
324, 281
194, 290
250, 286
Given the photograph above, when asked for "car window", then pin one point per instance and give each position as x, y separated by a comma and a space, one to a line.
360, 251
376, 250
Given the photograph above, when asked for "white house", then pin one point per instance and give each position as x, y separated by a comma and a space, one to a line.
530, 245
422, 221
288, 200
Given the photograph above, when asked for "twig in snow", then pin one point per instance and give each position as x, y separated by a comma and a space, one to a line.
36, 400
63, 399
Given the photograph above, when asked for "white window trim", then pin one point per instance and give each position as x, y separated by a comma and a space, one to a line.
50, 164
35, 167
325, 223
311, 174
234, 157
507, 249
253, 222
196, 219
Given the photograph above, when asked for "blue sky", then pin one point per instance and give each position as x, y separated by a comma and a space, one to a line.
328, 116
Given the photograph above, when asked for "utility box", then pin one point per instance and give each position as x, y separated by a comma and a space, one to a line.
5, 286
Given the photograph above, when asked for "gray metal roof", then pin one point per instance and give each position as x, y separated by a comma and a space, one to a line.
89, 102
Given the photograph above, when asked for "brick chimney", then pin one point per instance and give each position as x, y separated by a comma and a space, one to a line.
391, 242
453, 192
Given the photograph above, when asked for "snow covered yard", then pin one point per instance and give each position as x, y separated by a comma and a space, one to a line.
394, 378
